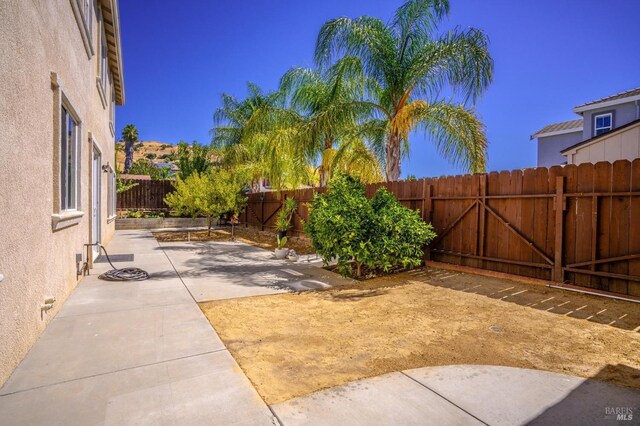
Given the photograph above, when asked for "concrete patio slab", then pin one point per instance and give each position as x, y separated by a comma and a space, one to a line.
94, 296
507, 396
74, 347
391, 399
466, 394
200, 390
224, 270
136, 352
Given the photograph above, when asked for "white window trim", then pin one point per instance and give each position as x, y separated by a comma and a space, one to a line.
595, 121
78, 157
61, 219
85, 31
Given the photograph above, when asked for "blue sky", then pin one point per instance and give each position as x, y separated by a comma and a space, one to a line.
550, 55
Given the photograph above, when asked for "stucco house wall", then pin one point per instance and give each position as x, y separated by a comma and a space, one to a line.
43, 59
620, 145
622, 114
549, 148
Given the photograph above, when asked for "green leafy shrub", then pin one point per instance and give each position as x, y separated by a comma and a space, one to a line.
340, 224
400, 233
380, 233
151, 156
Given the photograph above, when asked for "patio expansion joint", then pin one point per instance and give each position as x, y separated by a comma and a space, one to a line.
144, 308
176, 271
443, 397
110, 372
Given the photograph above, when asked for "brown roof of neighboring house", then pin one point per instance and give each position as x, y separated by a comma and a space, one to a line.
134, 177
559, 128
617, 96
602, 135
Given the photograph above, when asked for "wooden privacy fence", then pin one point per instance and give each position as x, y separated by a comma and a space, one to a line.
146, 195
575, 224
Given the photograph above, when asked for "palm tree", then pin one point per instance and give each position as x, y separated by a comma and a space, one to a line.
130, 137
326, 103
408, 65
260, 136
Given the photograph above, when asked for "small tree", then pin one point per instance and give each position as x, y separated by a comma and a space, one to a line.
208, 194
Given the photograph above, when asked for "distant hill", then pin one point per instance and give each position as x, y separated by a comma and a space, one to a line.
160, 151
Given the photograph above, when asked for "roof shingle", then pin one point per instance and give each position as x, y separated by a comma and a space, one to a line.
621, 95
565, 127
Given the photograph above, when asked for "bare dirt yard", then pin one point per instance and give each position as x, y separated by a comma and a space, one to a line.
297, 343
262, 239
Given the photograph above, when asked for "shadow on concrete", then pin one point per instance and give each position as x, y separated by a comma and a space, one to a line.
616, 313
596, 402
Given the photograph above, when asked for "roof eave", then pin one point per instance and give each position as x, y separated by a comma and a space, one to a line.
582, 108
601, 136
111, 18
559, 132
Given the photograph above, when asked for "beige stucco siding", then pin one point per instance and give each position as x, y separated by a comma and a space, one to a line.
621, 145
38, 38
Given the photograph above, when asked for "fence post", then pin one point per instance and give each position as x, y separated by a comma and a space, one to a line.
427, 207
559, 207
482, 219
262, 212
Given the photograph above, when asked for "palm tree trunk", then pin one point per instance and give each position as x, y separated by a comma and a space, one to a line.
324, 173
128, 153
393, 157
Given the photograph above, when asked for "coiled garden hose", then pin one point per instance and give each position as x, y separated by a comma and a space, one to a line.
121, 274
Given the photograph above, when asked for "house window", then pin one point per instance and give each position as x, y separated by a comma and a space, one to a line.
111, 194
602, 123
69, 162
86, 8
112, 106
103, 62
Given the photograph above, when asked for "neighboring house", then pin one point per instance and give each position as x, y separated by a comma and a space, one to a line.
567, 142
61, 77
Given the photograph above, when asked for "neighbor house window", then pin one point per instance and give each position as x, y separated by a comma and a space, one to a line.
602, 123
111, 194
69, 161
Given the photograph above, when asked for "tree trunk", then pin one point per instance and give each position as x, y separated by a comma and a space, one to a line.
358, 269
128, 156
325, 174
209, 220
393, 157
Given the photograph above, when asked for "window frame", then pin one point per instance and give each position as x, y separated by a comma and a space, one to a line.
83, 10
595, 122
69, 189
102, 77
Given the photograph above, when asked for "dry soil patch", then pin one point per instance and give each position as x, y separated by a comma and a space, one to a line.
294, 344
